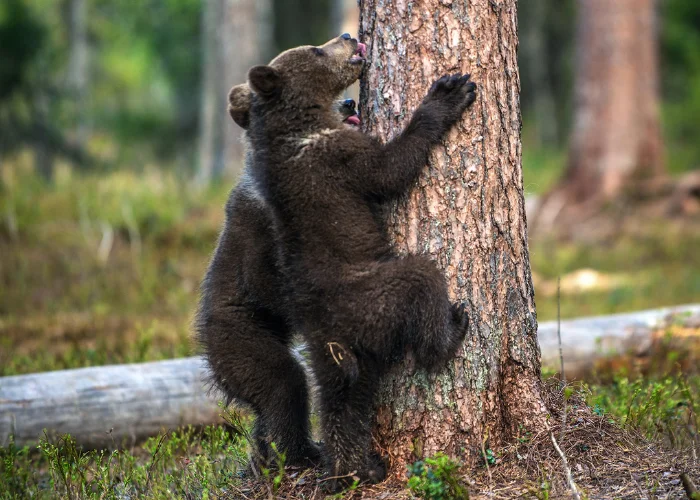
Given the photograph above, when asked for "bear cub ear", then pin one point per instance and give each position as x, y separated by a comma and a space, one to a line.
264, 80
239, 104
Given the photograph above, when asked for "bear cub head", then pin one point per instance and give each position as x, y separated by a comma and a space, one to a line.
309, 75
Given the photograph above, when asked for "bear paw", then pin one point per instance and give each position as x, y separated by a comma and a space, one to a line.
374, 472
457, 91
346, 360
446, 101
460, 319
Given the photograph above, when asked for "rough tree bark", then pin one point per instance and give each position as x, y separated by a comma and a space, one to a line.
467, 212
616, 145
236, 35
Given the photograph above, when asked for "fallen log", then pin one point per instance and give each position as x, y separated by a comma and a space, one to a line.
108, 405
588, 341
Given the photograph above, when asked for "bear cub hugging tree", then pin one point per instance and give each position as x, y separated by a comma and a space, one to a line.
242, 301
323, 183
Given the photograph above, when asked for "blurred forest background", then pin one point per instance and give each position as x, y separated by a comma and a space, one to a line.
116, 156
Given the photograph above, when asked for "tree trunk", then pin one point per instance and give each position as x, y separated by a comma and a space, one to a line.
236, 36
534, 53
616, 145
468, 213
77, 71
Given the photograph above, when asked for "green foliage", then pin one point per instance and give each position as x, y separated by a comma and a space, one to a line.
21, 38
143, 79
666, 408
147, 75
491, 457
272, 477
183, 464
436, 478
680, 58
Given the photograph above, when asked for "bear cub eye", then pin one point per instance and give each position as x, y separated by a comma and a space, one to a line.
317, 51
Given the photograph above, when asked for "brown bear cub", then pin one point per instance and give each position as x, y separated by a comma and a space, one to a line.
323, 183
242, 307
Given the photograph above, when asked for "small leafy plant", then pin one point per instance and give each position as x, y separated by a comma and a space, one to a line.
435, 478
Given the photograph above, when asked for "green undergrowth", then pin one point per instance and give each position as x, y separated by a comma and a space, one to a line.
187, 463
665, 409
208, 463
658, 267
436, 478
105, 269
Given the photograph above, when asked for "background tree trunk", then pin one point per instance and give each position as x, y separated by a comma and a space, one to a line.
533, 51
236, 35
77, 71
616, 141
344, 17
302, 22
468, 213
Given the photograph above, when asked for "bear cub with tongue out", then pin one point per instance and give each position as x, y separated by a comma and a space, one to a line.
324, 183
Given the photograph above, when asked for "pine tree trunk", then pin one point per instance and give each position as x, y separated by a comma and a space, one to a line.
468, 213
534, 54
78, 65
209, 98
236, 36
616, 145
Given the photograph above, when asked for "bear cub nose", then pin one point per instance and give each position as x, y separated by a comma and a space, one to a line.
346, 36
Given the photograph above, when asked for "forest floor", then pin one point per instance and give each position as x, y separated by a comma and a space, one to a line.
100, 270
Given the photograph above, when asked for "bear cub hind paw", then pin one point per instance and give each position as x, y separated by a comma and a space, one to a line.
375, 472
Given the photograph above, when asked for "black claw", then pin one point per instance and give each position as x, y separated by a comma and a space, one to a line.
459, 313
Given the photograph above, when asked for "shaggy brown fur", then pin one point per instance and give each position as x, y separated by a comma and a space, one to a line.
242, 302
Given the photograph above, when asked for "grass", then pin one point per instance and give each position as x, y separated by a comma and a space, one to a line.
665, 408
107, 268
187, 463
657, 267
98, 270
208, 463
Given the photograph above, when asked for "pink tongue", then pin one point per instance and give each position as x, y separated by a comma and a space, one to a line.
354, 120
362, 49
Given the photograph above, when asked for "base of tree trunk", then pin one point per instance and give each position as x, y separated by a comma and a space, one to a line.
604, 461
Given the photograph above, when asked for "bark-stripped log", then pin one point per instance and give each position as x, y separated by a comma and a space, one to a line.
139, 400
106, 405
